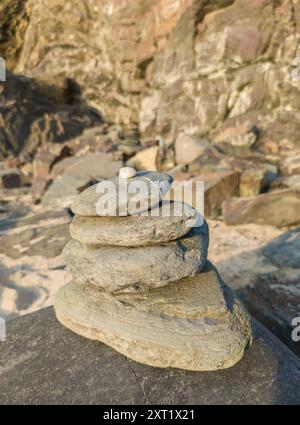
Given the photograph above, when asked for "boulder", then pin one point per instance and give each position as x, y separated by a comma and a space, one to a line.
237, 138
219, 185
37, 369
278, 208
96, 166
188, 148
284, 251
252, 182
274, 300
63, 191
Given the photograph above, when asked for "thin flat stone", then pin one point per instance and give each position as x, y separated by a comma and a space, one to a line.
88, 203
114, 268
136, 230
195, 324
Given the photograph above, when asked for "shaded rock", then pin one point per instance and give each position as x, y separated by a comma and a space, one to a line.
33, 114
238, 139
200, 313
115, 268
120, 200
188, 148
11, 179
275, 302
96, 166
284, 251
209, 161
135, 230
256, 175
252, 182
278, 208
46, 157
63, 191
269, 373
218, 186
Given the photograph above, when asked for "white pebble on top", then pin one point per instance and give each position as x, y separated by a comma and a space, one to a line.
127, 172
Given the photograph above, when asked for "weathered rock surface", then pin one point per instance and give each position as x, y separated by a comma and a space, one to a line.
252, 182
176, 67
63, 191
147, 159
274, 301
188, 148
35, 369
218, 186
193, 324
284, 251
96, 165
33, 114
278, 208
136, 230
123, 201
123, 268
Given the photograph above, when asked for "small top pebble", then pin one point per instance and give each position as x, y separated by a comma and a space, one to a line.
127, 172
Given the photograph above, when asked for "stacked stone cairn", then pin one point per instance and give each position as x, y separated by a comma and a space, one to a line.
142, 283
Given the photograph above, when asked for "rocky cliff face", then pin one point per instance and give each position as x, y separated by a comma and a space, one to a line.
168, 66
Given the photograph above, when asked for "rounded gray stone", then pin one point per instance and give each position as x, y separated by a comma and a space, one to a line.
135, 230
112, 198
133, 268
194, 324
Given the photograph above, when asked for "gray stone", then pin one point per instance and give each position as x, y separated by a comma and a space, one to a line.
117, 268
63, 191
137, 230
284, 251
279, 208
274, 300
36, 368
89, 202
96, 166
193, 324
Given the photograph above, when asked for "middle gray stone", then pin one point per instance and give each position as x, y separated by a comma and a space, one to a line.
112, 268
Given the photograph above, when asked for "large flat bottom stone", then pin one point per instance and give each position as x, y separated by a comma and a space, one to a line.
194, 324
42, 362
